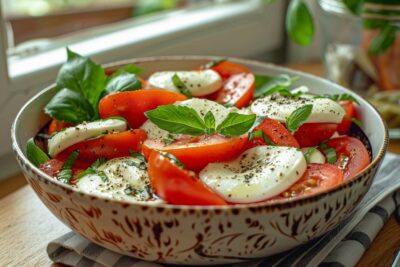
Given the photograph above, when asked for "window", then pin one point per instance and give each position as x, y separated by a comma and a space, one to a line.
239, 28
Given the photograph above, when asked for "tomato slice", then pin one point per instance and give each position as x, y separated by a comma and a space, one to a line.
312, 134
56, 126
354, 150
350, 110
178, 186
132, 105
53, 166
276, 132
228, 68
196, 152
237, 90
317, 178
109, 146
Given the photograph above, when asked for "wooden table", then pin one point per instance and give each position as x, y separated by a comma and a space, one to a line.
26, 226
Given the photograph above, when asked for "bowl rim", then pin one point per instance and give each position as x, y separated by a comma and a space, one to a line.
267, 204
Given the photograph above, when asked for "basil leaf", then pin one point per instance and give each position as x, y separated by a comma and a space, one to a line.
169, 139
98, 162
298, 117
383, 41
177, 119
34, 154
236, 124
329, 152
213, 63
66, 172
93, 169
260, 133
123, 82
127, 69
172, 158
275, 84
299, 23
260, 80
137, 155
356, 122
308, 153
181, 86
339, 97
355, 6
82, 75
209, 121
69, 106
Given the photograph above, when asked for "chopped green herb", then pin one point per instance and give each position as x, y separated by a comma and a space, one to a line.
66, 172
356, 122
260, 133
137, 155
330, 153
169, 139
172, 158
181, 86
34, 154
308, 153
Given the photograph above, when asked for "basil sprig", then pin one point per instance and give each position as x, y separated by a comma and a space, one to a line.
181, 86
329, 152
266, 85
298, 117
35, 154
185, 120
66, 172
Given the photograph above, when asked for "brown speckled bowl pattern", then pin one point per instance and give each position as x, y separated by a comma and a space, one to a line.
194, 234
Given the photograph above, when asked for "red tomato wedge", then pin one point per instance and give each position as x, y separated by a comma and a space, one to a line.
228, 68
132, 105
109, 146
313, 134
350, 110
317, 178
276, 132
196, 152
354, 149
237, 90
53, 166
178, 186
56, 126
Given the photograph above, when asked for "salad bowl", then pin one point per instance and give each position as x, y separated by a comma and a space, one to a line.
181, 234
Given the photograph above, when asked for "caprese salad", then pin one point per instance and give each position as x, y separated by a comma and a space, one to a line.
216, 135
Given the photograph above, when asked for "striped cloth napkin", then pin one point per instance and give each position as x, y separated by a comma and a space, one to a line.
341, 247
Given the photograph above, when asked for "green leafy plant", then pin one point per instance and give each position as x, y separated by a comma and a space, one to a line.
300, 24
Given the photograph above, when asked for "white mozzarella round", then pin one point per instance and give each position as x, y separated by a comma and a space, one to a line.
316, 155
153, 131
81, 132
127, 179
257, 174
280, 107
199, 83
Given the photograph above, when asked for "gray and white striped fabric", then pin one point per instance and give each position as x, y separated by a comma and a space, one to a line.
341, 247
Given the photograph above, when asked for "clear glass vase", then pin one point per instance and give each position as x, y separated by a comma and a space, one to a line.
347, 59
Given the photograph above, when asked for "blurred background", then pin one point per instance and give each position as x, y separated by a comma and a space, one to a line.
34, 34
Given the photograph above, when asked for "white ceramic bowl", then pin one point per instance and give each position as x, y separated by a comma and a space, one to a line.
196, 234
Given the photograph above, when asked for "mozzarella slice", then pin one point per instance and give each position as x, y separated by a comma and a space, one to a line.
199, 83
81, 132
316, 155
257, 174
126, 179
280, 107
201, 106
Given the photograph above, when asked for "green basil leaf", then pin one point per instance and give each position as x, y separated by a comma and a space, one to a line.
260, 80
298, 117
181, 86
132, 69
169, 139
34, 154
69, 106
177, 119
339, 97
236, 124
82, 75
355, 6
299, 23
275, 84
213, 63
137, 155
308, 153
209, 121
123, 82
98, 162
383, 41
329, 152
356, 122
176, 161
260, 133
66, 172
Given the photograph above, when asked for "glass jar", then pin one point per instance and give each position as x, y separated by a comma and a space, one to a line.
346, 42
